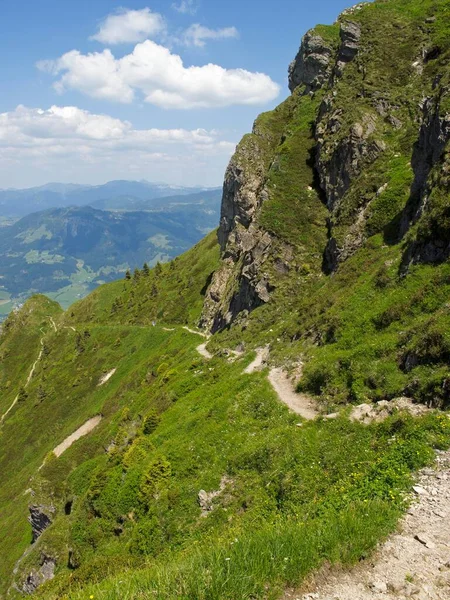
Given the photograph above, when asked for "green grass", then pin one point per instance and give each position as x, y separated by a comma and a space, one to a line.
173, 423
294, 211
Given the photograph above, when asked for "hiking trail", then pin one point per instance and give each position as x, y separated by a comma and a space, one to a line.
414, 562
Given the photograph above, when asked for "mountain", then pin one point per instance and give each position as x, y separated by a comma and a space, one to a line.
114, 194
255, 412
209, 198
66, 252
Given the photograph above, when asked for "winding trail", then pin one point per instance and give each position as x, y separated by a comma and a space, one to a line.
30, 376
33, 368
284, 386
202, 348
204, 352
299, 403
201, 333
259, 362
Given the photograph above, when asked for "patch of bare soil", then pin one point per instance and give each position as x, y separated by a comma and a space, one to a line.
299, 403
76, 435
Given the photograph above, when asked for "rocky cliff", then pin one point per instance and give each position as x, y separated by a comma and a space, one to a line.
370, 105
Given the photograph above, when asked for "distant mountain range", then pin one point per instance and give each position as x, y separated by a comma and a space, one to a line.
115, 195
65, 252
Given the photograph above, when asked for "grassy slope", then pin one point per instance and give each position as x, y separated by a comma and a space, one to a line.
296, 496
209, 420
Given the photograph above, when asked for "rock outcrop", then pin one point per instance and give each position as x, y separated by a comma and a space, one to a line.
359, 127
39, 519
36, 578
313, 65
350, 34
243, 281
340, 163
240, 283
431, 166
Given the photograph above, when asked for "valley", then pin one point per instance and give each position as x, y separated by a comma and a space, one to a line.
66, 253
261, 412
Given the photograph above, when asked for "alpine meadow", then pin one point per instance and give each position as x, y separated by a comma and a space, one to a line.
258, 414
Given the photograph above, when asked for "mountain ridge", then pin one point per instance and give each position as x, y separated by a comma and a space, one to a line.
330, 266
19, 202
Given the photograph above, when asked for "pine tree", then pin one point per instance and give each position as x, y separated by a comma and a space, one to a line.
128, 274
158, 268
146, 270
136, 274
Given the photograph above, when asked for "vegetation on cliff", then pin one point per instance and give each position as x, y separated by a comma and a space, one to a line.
196, 481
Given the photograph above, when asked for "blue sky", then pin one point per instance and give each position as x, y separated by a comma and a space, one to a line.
93, 90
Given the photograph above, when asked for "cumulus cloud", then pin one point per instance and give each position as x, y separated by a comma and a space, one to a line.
187, 7
196, 34
67, 139
161, 77
128, 26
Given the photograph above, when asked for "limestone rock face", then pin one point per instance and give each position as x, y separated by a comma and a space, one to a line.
242, 282
350, 34
39, 520
355, 142
339, 164
434, 135
313, 64
431, 166
36, 578
242, 189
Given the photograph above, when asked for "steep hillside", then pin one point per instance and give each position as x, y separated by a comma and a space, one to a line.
66, 252
335, 209
157, 460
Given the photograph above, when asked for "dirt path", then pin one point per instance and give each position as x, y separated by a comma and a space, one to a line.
202, 348
415, 562
203, 351
106, 377
76, 435
53, 323
301, 404
205, 335
30, 376
259, 362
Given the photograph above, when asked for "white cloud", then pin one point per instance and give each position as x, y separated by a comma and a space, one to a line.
196, 34
187, 7
161, 77
68, 143
128, 26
